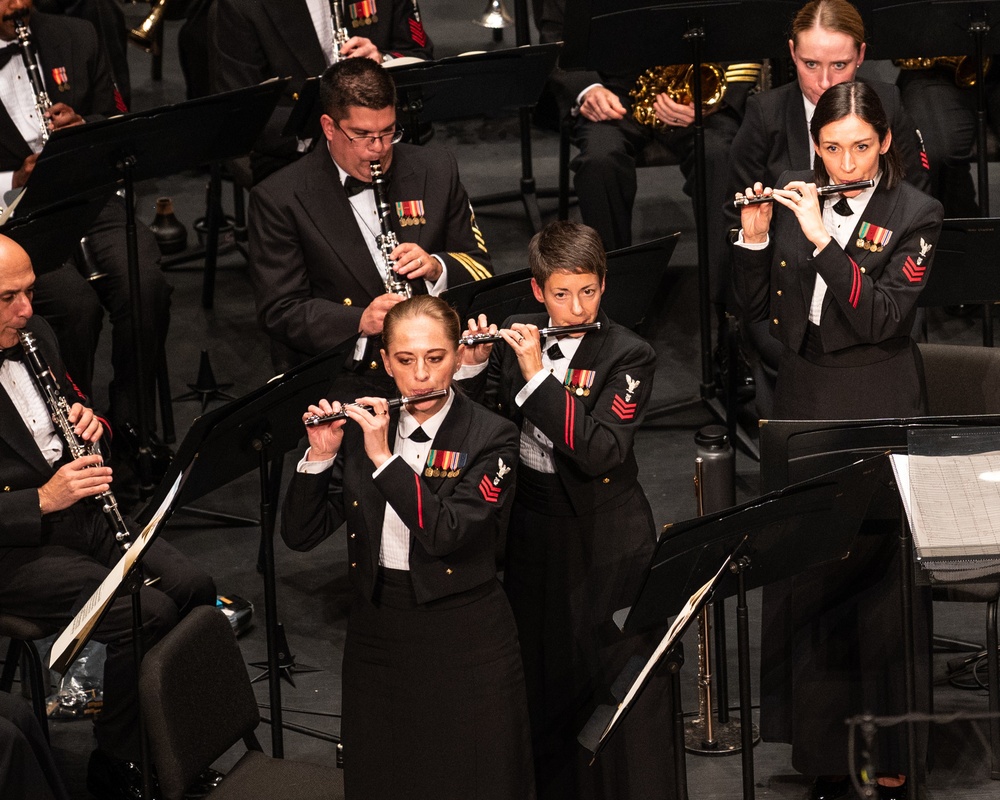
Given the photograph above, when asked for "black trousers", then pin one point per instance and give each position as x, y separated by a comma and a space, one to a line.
49, 584
75, 308
605, 179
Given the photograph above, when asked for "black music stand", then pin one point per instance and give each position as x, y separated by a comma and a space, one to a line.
88, 160
790, 449
637, 276
237, 438
763, 541
965, 271
477, 85
675, 32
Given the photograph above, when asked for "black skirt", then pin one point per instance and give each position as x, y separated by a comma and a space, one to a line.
831, 637
433, 697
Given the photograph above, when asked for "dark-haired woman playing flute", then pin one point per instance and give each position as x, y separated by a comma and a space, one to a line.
433, 686
839, 283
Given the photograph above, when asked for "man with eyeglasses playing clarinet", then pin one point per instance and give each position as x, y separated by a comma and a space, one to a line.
318, 271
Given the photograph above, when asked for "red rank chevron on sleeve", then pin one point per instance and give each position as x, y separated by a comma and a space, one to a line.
624, 411
489, 492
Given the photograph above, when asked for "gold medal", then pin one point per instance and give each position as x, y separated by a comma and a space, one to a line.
428, 473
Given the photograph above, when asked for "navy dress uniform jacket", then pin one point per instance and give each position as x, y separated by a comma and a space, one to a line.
455, 523
312, 272
871, 296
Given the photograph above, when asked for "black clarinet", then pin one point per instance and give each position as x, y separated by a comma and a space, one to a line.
30, 59
59, 408
387, 241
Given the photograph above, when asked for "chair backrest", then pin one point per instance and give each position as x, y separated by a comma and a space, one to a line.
961, 379
196, 698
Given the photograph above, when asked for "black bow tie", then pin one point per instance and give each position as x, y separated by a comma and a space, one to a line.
353, 186
842, 207
7, 53
15, 353
419, 436
555, 352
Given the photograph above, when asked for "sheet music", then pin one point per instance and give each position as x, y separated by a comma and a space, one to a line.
66, 647
953, 503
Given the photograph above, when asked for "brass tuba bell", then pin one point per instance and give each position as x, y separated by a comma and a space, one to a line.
145, 34
676, 82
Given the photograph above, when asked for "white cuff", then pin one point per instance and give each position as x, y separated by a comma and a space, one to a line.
740, 242
522, 396
388, 461
313, 467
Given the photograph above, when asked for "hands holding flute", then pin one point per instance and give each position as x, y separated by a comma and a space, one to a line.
325, 440
801, 198
524, 339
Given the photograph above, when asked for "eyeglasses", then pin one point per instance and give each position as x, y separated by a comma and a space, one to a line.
393, 137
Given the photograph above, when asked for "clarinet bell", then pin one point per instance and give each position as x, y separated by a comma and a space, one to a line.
86, 261
495, 17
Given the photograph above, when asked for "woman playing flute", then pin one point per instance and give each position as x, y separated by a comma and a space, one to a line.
433, 687
839, 282
581, 533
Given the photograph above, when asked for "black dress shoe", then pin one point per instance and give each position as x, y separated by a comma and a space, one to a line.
826, 789
892, 792
110, 778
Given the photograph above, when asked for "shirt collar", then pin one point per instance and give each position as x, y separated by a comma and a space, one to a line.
408, 424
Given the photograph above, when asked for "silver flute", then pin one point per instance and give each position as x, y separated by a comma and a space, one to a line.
557, 330
387, 241
59, 409
837, 188
396, 402
30, 59
340, 36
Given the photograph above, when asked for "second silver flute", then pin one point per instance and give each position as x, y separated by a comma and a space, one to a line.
837, 188
558, 330
396, 402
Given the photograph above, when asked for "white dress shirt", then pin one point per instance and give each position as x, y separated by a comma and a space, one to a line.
18, 98
16, 379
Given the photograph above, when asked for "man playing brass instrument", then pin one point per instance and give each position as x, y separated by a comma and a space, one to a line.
612, 142
317, 270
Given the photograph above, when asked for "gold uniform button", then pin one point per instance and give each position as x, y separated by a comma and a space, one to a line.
353, 535
348, 301
606, 480
354, 503
779, 293
6, 488
784, 264
862, 270
448, 571
354, 564
295, 95
373, 365
775, 320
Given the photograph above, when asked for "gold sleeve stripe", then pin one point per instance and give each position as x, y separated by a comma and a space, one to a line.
474, 268
480, 241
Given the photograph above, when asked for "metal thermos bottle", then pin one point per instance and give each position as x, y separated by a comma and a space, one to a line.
718, 490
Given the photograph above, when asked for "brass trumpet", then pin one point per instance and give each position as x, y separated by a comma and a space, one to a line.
964, 67
145, 34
